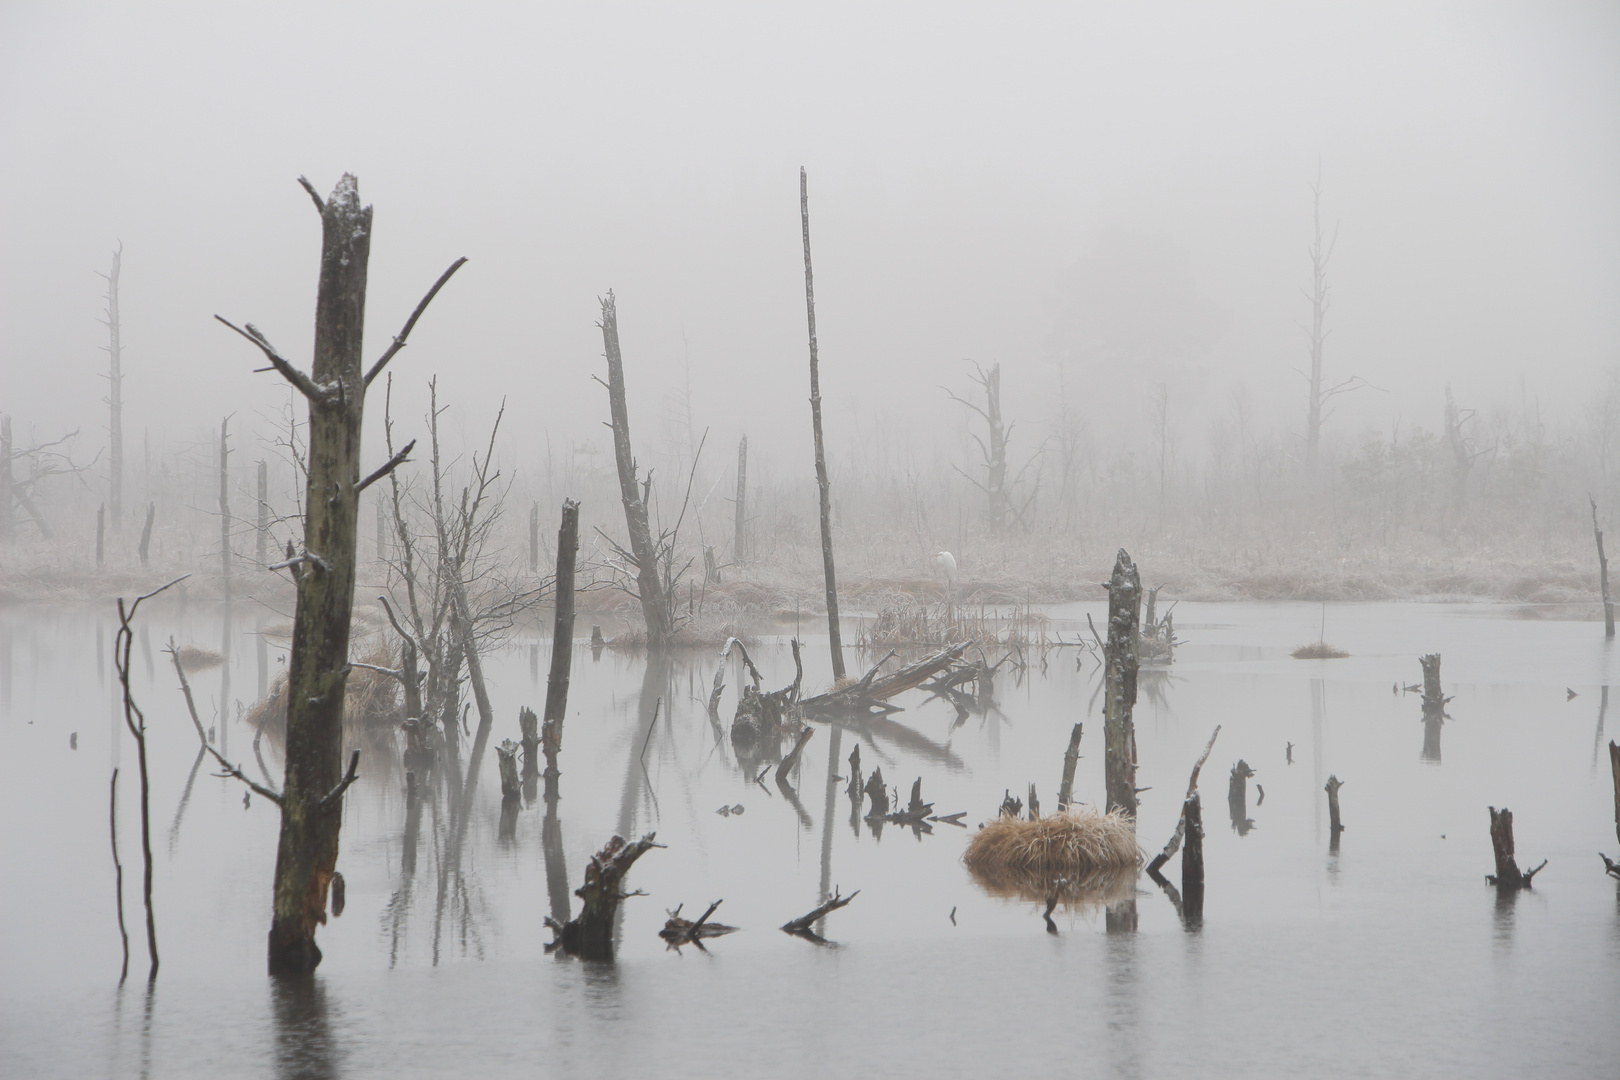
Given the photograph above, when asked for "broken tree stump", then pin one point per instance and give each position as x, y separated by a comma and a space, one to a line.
878, 793
1332, 788
1237, 797
506, 759
1434, 700
1192, 861
1174, 844
1120, 665
1071, 758
1508, 875
678, 931
589, 935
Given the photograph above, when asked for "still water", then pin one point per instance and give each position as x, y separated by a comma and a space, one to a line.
1391, 957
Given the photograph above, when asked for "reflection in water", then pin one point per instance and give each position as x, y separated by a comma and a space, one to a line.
224, 720
1431, 739
556, 867
1123, 1005
1502, 919
1597, 739
1318, 707
304, 1046
185, 799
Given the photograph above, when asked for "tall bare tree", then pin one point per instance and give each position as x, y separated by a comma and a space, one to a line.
1317, 413
115, 396
655, 605
835, 638
318, 667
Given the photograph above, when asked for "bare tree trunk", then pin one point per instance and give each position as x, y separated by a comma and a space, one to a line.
835, 639
1071, 758
654, 604
1119, 732
318, 666
7, 529
1508, 876
1603, 574
590, 936
1192, 861
562, 642
146, 532
739, 542
1318, 332
115, 398
225, 503
263, 552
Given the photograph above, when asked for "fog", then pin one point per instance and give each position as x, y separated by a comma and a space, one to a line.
1113, 201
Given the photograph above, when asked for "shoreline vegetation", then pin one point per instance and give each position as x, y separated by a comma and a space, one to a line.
785, 586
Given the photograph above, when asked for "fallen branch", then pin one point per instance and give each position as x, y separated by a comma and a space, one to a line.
802, 925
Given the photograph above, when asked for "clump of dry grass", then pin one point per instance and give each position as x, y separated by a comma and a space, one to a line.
1073, 843
903, 621
1319, 650
371, 699
197, 658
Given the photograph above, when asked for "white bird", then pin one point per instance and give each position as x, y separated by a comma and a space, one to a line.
946, 563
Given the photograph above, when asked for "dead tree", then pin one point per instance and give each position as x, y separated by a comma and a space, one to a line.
1000, 510
1508, 876
1176, 838
739, 540
590, 934
225, 505
262, 554
1120, 665
1462, 452
1610, 865
115, 397
562, 641
318, 666
1237, 797
1335, 826
835, 639
1603, 573
655, 605
6, 527
1320, 394
1071, 758
1192, 861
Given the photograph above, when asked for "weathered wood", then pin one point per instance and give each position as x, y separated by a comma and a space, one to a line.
562, 639
146, 532
1174, 844
823, 485
1603, 574
1332, 788
785, 770
870, 692
506, 760
655, 608
1192, 860
802, 926
318, 664
1119, 696
590, 934
1614, 767
1237, 797
1508, 875
1433, 697
877, 793
1071, 758
678, 931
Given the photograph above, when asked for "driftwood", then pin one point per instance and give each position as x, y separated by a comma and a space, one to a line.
784, 770
678, 931
1508, 875
871, 693
801, 927
590, 934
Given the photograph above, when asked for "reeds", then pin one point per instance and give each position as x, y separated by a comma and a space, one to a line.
903, 621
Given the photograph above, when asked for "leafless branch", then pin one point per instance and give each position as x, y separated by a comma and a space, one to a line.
399, 339
302, 382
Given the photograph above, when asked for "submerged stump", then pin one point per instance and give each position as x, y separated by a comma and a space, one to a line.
589, 935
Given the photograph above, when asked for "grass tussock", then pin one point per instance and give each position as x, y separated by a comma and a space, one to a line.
1319, 650
371, 700
197, 658
903, 621
1075, 844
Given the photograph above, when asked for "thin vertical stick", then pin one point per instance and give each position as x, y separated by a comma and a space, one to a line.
835, 640
562, 641
118, 870
1603, 574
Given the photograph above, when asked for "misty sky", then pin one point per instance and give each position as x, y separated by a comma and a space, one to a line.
1120, 193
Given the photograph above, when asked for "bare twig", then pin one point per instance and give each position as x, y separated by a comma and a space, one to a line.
399, 339
303, 383
387, 467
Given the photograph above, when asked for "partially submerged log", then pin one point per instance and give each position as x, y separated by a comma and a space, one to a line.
589, 935
678, 931
1237, 797
1508, 876
804, 924
871, 693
